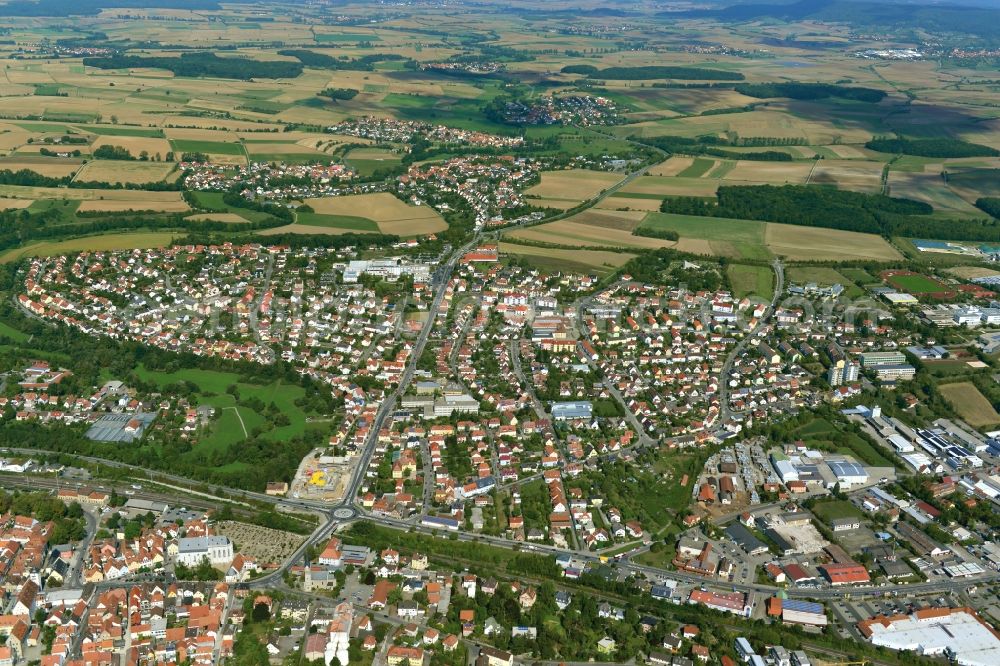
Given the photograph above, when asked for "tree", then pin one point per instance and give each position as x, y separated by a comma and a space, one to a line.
261, 613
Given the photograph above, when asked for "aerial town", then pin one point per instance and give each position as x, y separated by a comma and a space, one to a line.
494, 334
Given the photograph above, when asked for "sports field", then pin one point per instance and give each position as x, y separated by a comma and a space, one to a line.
970, 404
915, 284
390, 214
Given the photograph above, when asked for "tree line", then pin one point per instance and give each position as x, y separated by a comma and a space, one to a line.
203, 64
820, 206
931, 147
809, 91
322, 61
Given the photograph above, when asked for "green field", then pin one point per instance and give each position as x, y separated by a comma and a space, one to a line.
824, 435
8, 331
698, 168
859, 275
828, 511
337, 221
213, 201
212, 390
823, 277
917, 284
725, 236
751, 280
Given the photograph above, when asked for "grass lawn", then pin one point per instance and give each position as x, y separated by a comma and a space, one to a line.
212, 386
859, 275
751, 280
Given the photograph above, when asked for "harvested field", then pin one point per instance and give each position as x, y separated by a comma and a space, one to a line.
107, 242
600, 260
847, 152
777, 173
136, 145
574, 184
672, 166
857, 175
972, 272
392, 215
86, 194
592, 229
931, 189
53, 167
970, 404
106, 171
682, 187
629, 203
560, 204
11, 204
265, 545
815, 244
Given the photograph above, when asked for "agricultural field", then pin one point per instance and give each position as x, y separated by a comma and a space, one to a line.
369, 160
103, 171
118, 241
970, 404
11, 204
817, 244
391, 215
572, 186
55, 167
591, 229
856, 175
597, 261
714, 236
750, 239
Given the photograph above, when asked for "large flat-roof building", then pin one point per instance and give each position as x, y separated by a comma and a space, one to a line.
957, 633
